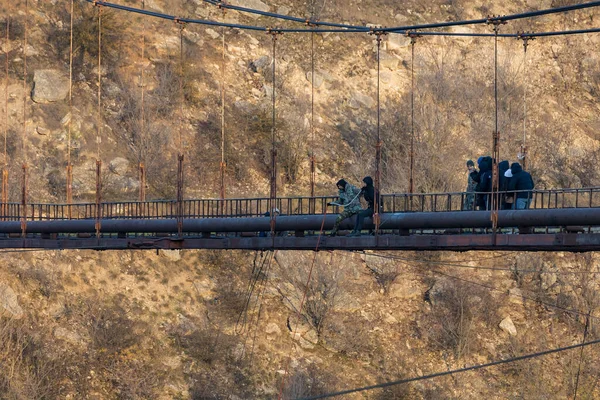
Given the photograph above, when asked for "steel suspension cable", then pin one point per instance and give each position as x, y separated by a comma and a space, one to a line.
523, 153
312, 121
273, 191
456, 371
585, 331
99, 130
180, 157
24, 139
413, 41
70, 124
377, 194
304, 297
5, 164
222, 165
495, 200
142, 150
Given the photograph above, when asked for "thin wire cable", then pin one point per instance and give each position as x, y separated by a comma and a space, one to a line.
411, 188
455, 371
377, 193
273, 191
523, 153
298, 313
585, 331
180, 156
261, 292
99, 131
222, 165
24, 139
5, 166
142, 150
495, 200
70, 124
312, 115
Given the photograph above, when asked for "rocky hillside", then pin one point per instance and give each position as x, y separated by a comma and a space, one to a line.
213, 325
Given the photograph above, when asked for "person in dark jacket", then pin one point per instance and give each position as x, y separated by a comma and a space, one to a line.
370, 196
484, 182
522, 183
503, 166
469, 204
348, 198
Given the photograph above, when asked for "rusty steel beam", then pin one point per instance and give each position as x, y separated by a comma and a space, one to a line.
426, 220
573, 242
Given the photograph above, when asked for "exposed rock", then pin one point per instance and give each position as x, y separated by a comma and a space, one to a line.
41, 131
254, 4
204, 288
360, 100
283, 10
548, 279
8, 301
69, 336
119, 166
260, 64
212, 33
397, 42
171, 255
273, 329
515, 296
508, 326
318, 79
66, 119
49, 85
404, 290
388, 60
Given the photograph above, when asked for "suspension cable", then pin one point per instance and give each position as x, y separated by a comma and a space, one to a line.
142, 150
180, 156
585, 331
24, 167
413, 40
5, 165
522, 156
70, 124
304, 297
378, 145
495, 200
273, 192
312, 119
222, 165
99, 131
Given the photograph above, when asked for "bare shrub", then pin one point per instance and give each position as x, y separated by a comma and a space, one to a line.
456, 307
27, 370
385, 274
309, 382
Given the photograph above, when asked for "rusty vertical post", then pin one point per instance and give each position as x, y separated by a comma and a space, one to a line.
378, 145
99, 131
69, 168
180, 156
522, 156
273, 191
312, 124
180, 182
495, 198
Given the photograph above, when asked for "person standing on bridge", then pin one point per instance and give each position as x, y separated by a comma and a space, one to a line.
371, 196
522, 183
469, 204
349, 198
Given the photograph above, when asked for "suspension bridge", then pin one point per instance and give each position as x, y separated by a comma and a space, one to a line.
558, 220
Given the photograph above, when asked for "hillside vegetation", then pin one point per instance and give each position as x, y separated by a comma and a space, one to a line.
228, 325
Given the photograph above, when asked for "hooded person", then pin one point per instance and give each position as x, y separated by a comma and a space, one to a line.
469, 203
521, 183
484, 185
348, 197
503, 166
371, 196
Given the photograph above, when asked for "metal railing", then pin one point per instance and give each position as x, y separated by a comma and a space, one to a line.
255, 207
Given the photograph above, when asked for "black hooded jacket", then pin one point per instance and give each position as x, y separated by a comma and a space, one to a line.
521, 180
484, 181
369, 192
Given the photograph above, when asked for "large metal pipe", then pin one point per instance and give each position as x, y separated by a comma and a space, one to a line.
426, 220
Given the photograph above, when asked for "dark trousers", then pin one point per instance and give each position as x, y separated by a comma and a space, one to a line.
360, 218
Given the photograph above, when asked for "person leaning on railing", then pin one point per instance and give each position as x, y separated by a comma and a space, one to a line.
522, 183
